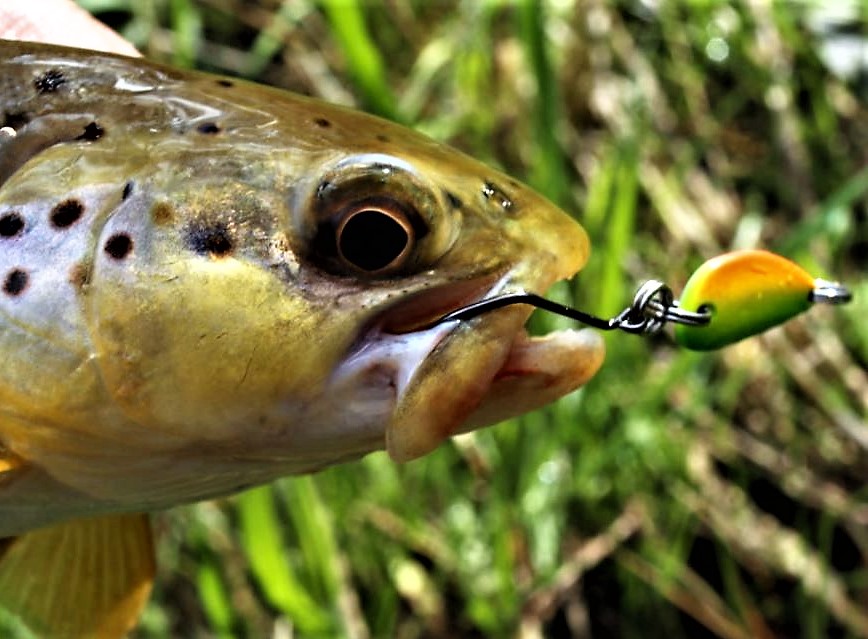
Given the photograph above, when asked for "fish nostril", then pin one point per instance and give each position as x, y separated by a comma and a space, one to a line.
11, 225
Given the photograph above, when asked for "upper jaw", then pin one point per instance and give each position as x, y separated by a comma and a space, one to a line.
392, 347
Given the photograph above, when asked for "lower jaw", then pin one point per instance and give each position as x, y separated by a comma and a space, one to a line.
492, 372
538, 371
483, 371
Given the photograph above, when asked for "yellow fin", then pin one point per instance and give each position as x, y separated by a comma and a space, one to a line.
83, 579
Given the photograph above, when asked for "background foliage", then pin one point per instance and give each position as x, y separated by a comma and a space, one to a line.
679, 494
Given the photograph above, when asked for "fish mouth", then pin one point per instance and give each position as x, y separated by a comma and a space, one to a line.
453, 377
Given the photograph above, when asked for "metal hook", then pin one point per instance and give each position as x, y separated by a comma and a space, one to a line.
652, 307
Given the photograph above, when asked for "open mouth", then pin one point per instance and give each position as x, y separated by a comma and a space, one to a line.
456, 376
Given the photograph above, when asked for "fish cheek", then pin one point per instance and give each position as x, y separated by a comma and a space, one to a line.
203, 347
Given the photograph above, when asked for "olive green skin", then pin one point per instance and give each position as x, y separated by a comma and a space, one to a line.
211, 353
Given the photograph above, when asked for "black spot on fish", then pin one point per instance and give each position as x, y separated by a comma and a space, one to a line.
11, 224
50, 81
15, 120
92, 132
322, 123
383, 138
454, 201
225, 83
211, 238
16, 281
208, 128
119, 246
128, 189
66, 213
162, 213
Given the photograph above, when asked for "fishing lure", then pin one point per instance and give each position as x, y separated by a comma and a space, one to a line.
729, 298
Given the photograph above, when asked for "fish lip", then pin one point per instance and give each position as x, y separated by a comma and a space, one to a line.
488, 341
444, 378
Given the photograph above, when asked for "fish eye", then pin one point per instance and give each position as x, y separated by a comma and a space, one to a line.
375, 236
372, 216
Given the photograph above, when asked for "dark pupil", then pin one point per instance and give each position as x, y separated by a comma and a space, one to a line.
371, 240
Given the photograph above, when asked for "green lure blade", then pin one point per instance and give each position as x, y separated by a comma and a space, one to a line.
746, 293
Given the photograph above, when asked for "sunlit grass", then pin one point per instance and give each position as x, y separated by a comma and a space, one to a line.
720, 491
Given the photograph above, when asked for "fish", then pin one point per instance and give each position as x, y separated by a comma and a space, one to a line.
207, 284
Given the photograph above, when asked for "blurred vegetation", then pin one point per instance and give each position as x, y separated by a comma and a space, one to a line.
679, 494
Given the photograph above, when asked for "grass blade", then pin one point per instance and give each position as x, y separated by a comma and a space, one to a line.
263, 544
363, 60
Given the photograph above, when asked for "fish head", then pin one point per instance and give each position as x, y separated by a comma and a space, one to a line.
280, 301
477, 233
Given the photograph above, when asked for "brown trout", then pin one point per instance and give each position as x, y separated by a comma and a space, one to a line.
208, 284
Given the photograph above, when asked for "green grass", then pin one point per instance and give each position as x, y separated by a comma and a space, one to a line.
678, 494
